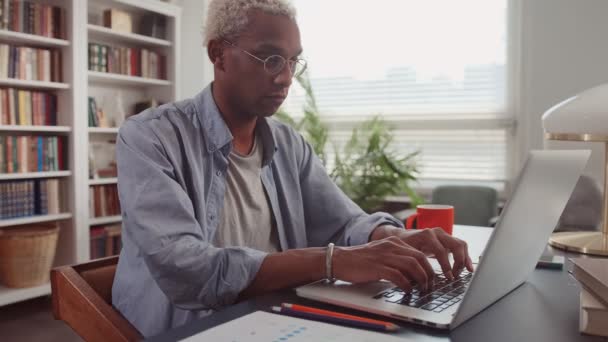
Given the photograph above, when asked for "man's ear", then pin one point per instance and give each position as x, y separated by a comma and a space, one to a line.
215, 50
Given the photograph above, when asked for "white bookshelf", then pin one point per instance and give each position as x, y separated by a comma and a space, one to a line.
42, 85
96, 221
103, 181
35, 175
103, 130
25, 38
104, 33
125, 80
9, 295
42, 129
106, 88
34, 219
79, 83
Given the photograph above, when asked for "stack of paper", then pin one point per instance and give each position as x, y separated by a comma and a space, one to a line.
592, 273
262, 326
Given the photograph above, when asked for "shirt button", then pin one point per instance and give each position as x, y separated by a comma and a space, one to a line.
219, 173
211, 217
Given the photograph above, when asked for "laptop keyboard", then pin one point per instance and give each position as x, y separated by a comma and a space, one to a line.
444, 294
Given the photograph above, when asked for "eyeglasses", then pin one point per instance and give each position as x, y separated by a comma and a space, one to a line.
274, 64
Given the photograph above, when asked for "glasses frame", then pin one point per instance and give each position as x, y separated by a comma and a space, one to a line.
289, 62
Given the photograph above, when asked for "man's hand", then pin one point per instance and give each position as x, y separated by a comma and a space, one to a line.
391, 259
394, 254
433, 242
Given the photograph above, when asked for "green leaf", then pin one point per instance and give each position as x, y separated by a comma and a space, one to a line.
366, 168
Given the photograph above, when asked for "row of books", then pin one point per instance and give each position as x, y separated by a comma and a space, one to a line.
24, 198
103, 200
127, 61
33, 18
25, 107
105, 241
29, 63
592, 274
26, 153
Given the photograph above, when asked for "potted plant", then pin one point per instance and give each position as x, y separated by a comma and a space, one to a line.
367, 169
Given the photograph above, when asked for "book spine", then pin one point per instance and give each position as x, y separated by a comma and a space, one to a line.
2, 156
44, 206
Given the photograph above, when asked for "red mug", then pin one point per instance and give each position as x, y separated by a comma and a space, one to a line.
431, 216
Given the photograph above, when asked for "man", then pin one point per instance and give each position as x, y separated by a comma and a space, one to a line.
221, 202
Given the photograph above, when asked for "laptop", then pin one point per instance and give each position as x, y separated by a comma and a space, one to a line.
513, 249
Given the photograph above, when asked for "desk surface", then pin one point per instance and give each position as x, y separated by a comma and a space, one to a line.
545, 308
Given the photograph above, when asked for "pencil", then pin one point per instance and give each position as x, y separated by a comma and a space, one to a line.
332, 319
337, 314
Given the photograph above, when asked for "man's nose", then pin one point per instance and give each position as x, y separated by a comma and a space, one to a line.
285, 76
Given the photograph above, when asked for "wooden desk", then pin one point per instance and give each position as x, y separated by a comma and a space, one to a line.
545, 308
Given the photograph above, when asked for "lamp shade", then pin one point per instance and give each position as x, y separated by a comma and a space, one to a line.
585, 113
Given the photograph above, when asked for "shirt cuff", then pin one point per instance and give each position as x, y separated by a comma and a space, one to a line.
363, 227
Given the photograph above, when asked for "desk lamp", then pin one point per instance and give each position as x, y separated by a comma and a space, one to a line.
583, 117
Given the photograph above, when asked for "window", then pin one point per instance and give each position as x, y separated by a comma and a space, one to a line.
435, 69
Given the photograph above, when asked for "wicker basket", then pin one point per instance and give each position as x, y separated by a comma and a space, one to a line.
26, 254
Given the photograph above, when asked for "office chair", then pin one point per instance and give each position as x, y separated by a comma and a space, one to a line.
473, 205
82, 297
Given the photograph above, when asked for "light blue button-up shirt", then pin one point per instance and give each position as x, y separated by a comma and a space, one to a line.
172, 164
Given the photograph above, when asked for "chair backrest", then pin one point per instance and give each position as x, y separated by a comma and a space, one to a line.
82, 297
473, 205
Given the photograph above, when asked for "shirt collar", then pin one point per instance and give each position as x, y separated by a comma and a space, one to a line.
216, 133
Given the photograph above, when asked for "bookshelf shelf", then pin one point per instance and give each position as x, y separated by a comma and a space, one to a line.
18, 37
100, 32
9, 296
30, 175
103, 181
95, 221
143, 5
117, 79
103, 130
12, 82
34, 219
50, 129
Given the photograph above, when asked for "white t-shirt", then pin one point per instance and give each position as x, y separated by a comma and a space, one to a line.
246, 219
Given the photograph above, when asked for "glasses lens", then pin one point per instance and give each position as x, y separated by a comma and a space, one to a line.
274, 64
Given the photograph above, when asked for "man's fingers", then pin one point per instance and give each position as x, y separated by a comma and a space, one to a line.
440, 252
460, 251
412, 270
396, 277
470, 264
424, 263
406, 250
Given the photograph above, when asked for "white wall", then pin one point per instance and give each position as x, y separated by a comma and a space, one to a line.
194, 64
564, 50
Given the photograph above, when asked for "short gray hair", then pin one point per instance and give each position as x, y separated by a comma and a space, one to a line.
228, 18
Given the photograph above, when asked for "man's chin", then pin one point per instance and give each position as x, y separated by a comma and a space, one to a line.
267, 111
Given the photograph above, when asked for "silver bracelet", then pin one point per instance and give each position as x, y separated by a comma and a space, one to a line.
329, 255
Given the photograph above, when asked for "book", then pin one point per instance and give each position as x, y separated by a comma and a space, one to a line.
153, 25
33, 17
104, 201
28, 63
26, 153
24, 198
593, 315
93, 112
105, 241
592, 273
117, 20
